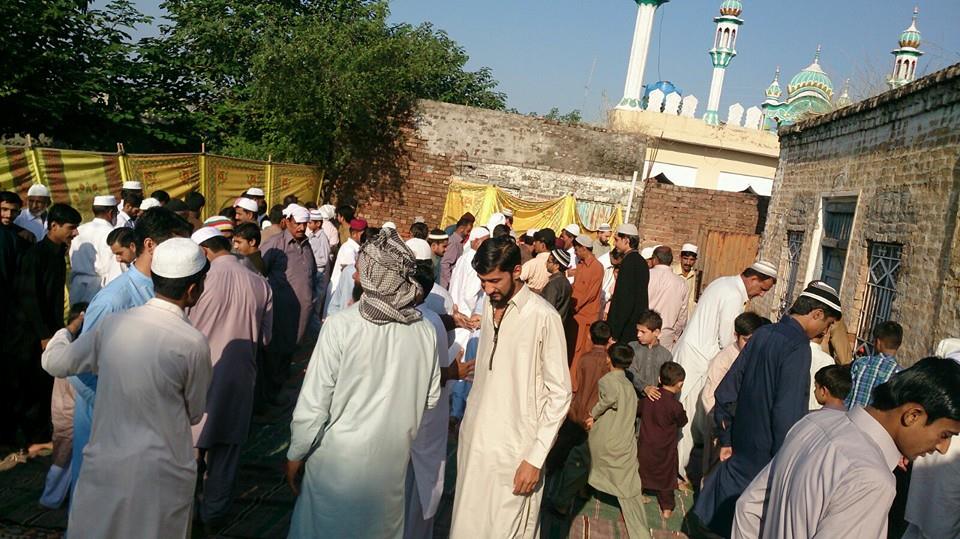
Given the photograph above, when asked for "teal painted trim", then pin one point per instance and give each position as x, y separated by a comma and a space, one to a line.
654, 3
711, 117
728, 18
902, 52
630, 103
722, 57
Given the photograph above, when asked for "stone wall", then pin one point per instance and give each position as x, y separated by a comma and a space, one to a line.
673, 215
529, 157
899, 155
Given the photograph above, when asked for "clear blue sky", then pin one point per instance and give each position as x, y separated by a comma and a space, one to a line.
542, 51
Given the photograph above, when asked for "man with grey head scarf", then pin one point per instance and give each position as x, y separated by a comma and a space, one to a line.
372, 375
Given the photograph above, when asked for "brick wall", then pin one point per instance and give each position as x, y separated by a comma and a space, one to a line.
529, 157
899, 155
673, 215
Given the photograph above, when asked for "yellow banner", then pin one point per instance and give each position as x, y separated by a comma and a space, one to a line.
177, 174
484, 200
300, 180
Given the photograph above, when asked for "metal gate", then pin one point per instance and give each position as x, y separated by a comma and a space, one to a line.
881, 290
727, 253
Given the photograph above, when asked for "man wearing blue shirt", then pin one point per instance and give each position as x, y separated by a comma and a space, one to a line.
132, 289
870, 371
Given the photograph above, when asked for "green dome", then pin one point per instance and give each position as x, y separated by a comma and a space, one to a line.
812, 79
773, 91
732, 8
911, 36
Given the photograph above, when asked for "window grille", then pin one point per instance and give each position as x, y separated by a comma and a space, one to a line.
794, 246
881, 290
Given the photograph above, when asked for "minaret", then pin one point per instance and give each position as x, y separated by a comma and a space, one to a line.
773, 91
633, 89
844, 98
905, 63
724, 49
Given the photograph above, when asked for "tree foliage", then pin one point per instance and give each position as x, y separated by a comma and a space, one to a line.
329, 82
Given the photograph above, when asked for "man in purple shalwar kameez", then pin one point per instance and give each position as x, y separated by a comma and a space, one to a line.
290, 269
235, 315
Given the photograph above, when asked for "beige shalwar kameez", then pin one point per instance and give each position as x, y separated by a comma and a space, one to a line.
521, 392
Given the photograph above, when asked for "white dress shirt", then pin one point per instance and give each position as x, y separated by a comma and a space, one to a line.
37, 225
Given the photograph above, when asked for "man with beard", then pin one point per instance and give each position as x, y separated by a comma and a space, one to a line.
34, 216
520, 398
291, 270
684, 268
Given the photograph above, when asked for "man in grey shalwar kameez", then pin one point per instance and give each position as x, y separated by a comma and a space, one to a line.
372, 374
235, 314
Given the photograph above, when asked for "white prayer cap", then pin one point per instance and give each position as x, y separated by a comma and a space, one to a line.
421, 249
478, 232
38, 190
389, 224
766, 268
690, 248
823, 293
105, 200
603, 227
496, 219
204, 233
628, 229
265, 224
326, 212
531, 231
177, 258
132, 186
419, 219
584, 241
148, 203
948, 348
299, 214
289, 209
573, 229
316, 215
255, 192
507, 212
647, 252
438, 237
246, 203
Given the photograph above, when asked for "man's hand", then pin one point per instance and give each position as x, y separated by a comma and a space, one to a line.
293, 468
725, 453
526, 479
43, 343
75, 326
474, 321
465, 369
652, 393
588, 423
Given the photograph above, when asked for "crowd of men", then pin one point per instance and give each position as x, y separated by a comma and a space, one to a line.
142, 343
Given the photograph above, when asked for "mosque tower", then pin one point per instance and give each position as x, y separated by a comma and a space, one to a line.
633, 89
905, 63
724, 49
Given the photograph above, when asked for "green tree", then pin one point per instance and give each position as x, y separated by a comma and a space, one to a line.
73, 73
572, 117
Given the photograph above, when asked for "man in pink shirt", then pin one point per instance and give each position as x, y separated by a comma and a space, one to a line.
667, 293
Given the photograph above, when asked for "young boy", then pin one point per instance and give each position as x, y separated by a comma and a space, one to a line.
660, 423
613, 451
870, 371
743, 327
832, 385
649, 355
570, 453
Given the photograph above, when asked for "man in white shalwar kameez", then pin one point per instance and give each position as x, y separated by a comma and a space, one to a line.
520, 396
372, 375
464, 283
709, 330
428, 453
139, 470
92, 262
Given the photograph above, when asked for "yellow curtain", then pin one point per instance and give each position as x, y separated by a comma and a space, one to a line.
484, 200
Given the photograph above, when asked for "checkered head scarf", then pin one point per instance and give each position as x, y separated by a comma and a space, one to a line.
387, 267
